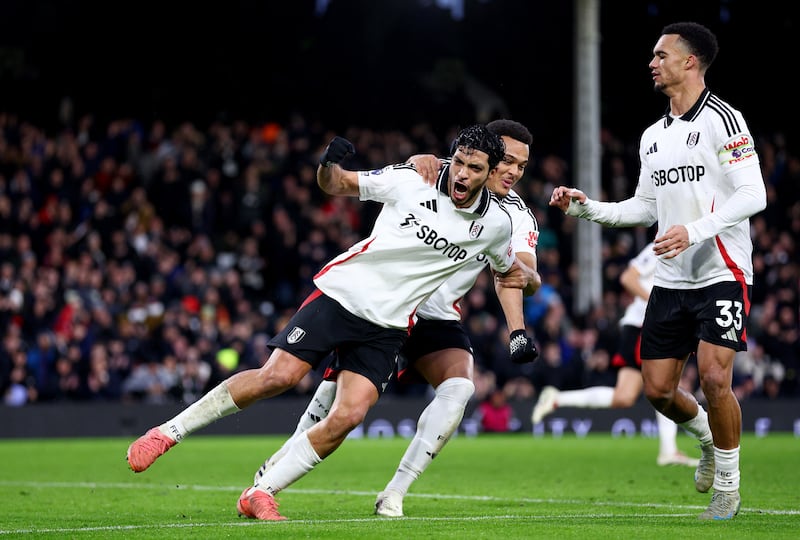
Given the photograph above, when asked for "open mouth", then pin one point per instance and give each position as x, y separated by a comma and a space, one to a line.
460, 190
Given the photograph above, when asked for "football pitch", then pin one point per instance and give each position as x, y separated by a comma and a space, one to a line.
490, 486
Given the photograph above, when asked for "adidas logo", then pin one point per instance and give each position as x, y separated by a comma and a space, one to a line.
652, 150
730, 335
430, 205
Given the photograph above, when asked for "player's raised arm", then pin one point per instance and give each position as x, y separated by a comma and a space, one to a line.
331, 177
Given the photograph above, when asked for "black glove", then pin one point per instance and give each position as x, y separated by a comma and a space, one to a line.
338, 149
522, 348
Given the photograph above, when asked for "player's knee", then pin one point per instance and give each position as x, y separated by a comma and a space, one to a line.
272, 380
344, 419
457, 389
715, 382
658, 395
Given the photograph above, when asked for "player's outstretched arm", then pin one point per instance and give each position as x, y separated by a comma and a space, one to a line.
637, 210
331, 177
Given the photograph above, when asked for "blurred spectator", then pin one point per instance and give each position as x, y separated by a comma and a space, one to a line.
102, 383
193, 376
495, 413
152, 382
552, 370
64, 383
21, 387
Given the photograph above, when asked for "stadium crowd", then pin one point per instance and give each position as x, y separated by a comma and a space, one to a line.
148, 262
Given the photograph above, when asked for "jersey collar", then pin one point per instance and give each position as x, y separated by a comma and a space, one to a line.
691, 114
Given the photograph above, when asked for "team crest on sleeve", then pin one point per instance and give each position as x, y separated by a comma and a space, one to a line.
296, 335
475, 230
693, 139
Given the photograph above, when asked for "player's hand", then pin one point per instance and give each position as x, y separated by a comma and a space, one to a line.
338, 149
562, 196
522, 348
514, 278
674, 242
427, 166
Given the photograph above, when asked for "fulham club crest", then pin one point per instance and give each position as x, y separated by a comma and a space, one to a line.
693, 139
475, 230
296, 335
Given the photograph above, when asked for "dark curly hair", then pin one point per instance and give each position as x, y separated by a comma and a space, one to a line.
700, 40
478, 137
512, 129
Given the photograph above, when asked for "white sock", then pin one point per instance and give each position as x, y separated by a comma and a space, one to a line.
698, 426
296, 463
216, 404
318, 408
667, 434
435, 426
727, 475
595, 397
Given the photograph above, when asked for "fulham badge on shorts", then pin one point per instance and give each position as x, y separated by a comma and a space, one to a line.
296, 335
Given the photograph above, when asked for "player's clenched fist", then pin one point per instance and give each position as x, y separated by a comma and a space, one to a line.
338, 149
522, 348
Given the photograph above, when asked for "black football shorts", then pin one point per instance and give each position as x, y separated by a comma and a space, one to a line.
627, 354
677, 319
322, 326
429, 336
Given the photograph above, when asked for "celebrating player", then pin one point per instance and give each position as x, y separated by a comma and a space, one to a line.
438, 347
364, 303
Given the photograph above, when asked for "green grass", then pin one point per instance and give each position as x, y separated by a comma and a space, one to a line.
506, 486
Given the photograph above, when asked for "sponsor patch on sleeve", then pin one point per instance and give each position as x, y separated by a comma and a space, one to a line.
736, 150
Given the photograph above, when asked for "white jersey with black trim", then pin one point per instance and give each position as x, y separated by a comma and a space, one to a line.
419, 240
445, 302
645, 265
700, 170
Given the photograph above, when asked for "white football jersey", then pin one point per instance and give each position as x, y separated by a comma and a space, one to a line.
700, 171
645, 264
445, 302
685, 166
419, 240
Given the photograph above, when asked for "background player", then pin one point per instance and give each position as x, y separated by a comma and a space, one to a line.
637, 278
